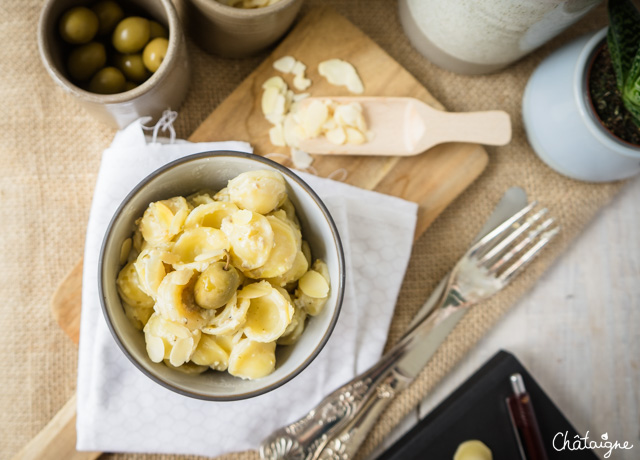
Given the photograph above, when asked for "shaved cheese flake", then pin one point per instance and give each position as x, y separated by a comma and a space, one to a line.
300, 96
354, 136
269, 99
298, 68
336, 136
301, 159
291, 131
339, 175
284, 64
341, 73
313, 118
300, 82
274, 82
276, 135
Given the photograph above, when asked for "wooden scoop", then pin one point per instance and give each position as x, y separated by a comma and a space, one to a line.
404, 126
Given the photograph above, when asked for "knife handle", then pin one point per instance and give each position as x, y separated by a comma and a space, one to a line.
345, 443
308, 436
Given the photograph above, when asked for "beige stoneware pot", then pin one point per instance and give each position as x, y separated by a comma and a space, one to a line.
165, 89
235, 32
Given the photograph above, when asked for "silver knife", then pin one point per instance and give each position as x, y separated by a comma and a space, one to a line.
329, 431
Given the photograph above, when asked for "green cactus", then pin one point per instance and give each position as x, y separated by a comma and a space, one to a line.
623, 40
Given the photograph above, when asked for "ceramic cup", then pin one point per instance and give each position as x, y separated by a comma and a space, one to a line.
212, 170
236, 32
560, 122
165, 89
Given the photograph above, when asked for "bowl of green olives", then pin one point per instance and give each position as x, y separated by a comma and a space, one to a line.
120, 60
219, 180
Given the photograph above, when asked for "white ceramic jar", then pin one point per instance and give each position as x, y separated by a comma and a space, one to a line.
483, 36
561, 125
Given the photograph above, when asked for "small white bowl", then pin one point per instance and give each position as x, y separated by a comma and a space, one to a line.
212, 170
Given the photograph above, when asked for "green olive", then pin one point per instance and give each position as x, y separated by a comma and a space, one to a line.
216, 285
107, 81
129, 85
85, 60
154, 53
131, 34
132, 67
157, 30
109, 15
78, 25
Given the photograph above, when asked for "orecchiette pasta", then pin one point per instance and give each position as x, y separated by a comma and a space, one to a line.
268, 315
163, 220
251, 238
257, 191
313, 289
130, 288
252, 360
282, 254
210, 214
196, 248
217, 279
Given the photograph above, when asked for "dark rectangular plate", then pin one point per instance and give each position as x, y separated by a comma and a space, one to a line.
477, 410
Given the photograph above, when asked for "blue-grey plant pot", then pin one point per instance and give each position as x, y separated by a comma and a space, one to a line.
561, 125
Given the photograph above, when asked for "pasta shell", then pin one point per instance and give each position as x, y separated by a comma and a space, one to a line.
176, 300
137, 315
251, 238
283, 253
213, 351
162, 336
228, 320
252, 360
295, 328
200, 198
299, 268
290, 212
210, 214
151, 270
313, 305
130, 288
259, 191
163, 220
268, 317
196, 248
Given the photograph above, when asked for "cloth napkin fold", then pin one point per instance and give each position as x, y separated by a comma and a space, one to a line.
121, 410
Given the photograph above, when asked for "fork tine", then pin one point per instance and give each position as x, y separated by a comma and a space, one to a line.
497, 232
499, 248
510, 254
523, 261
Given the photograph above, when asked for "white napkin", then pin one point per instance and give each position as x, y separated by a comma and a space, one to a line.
121, 410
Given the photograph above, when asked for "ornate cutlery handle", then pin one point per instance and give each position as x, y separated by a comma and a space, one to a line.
340, 413
345, 444
307, 437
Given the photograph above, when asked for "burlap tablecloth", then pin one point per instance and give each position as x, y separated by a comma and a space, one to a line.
50, 152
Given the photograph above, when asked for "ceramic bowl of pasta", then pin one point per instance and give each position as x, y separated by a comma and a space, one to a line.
222, 275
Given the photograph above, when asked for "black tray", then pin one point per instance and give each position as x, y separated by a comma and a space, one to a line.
477, 410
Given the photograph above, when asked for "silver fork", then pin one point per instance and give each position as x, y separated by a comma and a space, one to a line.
337, 426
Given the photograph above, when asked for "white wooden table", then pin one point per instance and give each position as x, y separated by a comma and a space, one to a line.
578, 331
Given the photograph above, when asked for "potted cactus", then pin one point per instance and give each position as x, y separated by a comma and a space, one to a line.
581, 106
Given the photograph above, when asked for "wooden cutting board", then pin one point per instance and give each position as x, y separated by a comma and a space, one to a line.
433, 179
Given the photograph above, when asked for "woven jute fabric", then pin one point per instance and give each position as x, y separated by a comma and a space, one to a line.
49, 157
